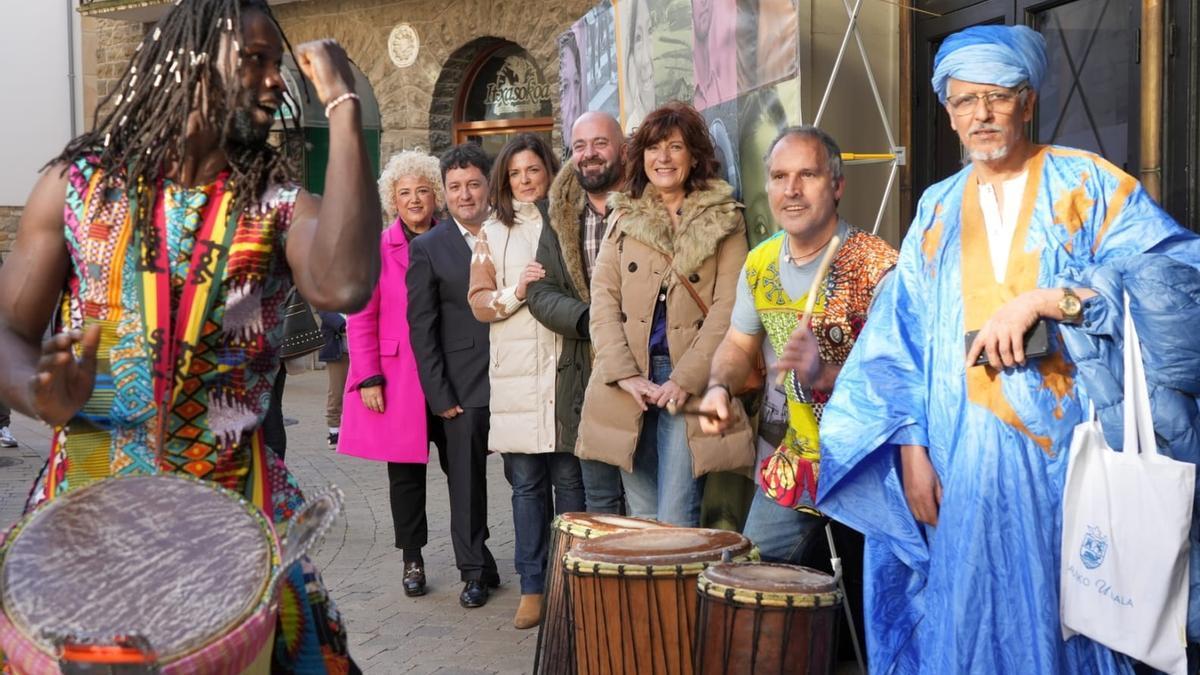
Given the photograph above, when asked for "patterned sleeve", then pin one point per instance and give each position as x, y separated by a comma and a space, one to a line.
489, 303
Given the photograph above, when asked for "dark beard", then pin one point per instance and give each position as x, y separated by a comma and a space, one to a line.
241, 130
605, 179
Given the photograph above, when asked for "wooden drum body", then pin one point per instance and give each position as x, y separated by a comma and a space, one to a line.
766, 619
634, 600
555, 653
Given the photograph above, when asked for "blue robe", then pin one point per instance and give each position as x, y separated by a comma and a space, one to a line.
978, 593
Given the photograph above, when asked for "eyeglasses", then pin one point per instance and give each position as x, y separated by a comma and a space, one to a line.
996, 101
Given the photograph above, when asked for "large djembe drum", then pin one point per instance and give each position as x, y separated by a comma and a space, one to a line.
150, 573
766, 619
555, 654
633, 597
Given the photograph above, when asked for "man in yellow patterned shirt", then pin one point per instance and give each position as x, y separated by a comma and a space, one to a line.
804, 186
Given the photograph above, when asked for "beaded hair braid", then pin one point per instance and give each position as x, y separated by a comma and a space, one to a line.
144, 128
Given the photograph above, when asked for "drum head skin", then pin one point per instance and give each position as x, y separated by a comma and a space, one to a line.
666, 546
174, 560
591, 525
770, 578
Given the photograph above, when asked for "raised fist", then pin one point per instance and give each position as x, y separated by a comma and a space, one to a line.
326, 65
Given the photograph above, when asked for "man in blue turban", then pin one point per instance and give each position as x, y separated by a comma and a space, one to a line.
954, 471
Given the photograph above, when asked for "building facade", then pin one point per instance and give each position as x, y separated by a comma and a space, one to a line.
1124, 80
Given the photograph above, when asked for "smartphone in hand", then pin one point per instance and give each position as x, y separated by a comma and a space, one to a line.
1037, 342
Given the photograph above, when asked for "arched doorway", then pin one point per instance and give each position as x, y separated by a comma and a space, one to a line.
490, 90
308, 116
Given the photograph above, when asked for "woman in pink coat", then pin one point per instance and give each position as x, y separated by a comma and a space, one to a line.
385, 417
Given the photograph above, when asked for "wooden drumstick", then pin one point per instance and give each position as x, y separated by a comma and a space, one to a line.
691, 407
818, 281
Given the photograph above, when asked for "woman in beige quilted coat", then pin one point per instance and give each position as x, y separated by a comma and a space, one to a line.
524, 359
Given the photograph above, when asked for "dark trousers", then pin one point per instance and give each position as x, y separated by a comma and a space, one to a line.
273, 434
849, 544
465, 464
406, 492
533, 478
5, 415
602, 487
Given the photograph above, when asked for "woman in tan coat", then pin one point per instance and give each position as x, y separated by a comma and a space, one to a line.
524, 359
662, 293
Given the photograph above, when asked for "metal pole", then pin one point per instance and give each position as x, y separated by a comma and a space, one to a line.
887, 192
1152, 97
71, 67
887, 127
836, 562
837, 64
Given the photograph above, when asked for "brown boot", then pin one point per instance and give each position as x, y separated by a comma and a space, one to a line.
529, 612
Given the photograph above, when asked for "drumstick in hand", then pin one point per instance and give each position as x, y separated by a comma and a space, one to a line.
817, 282
691, 407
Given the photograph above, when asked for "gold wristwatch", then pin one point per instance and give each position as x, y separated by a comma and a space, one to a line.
1071, 306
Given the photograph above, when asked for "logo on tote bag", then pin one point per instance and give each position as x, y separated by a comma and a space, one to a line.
1095, 545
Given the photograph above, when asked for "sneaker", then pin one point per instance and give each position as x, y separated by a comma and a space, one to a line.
6, 438
333, 439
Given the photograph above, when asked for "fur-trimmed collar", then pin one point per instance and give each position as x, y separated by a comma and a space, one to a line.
708, 217
567, 201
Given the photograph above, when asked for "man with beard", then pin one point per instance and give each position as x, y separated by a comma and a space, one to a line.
173, 236
567, 251
954, 471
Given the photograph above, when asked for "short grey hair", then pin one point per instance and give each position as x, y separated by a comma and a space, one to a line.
409, 163
832, 151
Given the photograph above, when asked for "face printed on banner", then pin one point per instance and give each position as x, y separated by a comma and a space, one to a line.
714, 53
761, 116
571, 80
638, 73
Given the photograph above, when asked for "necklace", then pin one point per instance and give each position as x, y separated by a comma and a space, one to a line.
804, 257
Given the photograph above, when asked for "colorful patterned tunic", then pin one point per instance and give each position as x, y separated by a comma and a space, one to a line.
190, 319
789, 476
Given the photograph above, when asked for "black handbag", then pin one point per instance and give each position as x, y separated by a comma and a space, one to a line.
301, 334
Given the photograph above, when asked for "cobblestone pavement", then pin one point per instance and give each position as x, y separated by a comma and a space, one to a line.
389, 633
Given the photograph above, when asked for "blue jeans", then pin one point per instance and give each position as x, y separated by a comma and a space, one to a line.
780, 533
661, 485
601, 486
531, 478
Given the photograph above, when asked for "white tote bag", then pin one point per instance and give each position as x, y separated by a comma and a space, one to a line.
1125, 546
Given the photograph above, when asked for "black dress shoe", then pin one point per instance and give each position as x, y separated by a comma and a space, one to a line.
414, 579
474, 594
491, 580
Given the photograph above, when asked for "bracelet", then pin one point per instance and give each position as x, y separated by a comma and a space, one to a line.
338, 101
716, 385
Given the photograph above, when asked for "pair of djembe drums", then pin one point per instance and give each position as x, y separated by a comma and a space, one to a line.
628, 595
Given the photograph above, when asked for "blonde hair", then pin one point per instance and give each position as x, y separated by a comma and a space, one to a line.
409, 163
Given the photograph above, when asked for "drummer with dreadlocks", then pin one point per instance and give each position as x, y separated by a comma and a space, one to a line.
172, 234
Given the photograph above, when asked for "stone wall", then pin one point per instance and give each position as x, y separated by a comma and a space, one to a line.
9, 217
406, 96
107, 47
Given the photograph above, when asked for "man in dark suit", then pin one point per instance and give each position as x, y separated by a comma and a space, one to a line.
452, 360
